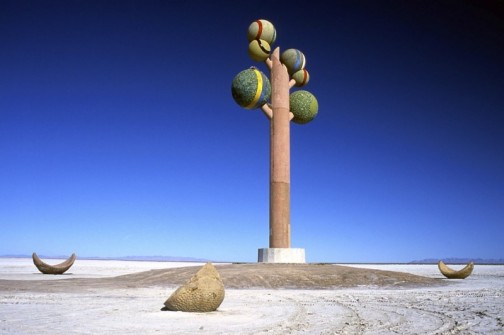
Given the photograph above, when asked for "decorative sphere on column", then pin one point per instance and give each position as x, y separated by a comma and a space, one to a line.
294, 60
302, 77
259, 50
262, 30
251, 88
304, 106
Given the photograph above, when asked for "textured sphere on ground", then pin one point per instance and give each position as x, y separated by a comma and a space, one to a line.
203, 292
302, 77
259, 50
263, 30
304, 106
251, 88
294, 60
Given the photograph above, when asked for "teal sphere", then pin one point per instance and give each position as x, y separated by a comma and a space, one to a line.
251, 88
294, 60
304, 106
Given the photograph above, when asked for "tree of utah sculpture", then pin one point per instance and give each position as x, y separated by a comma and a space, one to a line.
251, 89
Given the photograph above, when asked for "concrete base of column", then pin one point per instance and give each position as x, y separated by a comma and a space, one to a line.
281, 255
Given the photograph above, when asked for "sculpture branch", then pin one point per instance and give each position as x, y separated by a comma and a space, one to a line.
269, 63
267, 111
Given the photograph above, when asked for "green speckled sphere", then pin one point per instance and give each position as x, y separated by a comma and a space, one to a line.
251, 88
302, 77
259, 50
262, 29
294, 60
304, 106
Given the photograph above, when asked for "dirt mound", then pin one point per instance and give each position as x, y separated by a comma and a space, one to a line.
295, 276
239, 276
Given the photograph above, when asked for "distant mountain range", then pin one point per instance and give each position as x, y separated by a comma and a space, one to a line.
121, 258
454, 260
450, 260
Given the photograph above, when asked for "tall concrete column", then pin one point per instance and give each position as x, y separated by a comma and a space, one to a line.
280, 155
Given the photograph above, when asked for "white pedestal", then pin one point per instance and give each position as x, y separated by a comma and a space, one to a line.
281, 255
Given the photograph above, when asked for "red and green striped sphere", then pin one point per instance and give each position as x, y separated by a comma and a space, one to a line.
301, 77
304, 106
262, 30
251, 88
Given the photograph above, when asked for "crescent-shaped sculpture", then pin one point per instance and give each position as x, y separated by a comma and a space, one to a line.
453, 274
57, 269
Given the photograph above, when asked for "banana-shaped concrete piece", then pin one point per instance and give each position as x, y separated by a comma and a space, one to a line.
57, 269
453, 274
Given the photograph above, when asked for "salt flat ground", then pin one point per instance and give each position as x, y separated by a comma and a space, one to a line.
471, 306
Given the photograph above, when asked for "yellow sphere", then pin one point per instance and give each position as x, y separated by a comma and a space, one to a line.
259, 50
262, 30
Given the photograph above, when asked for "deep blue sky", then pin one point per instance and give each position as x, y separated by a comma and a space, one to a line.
119, 135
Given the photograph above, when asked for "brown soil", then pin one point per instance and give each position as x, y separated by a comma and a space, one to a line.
237, 276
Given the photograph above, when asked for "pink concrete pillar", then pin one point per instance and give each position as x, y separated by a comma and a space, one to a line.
280, 155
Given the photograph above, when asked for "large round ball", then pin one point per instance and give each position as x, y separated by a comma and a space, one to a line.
262, 30
294, 60
251, 88
304, 106
259, 50
302, 77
